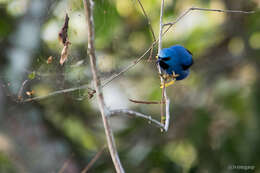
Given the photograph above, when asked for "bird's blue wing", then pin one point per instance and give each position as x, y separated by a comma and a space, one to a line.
185, 56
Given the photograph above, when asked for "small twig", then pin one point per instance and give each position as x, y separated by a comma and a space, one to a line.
113, 77
160, 29
150, 27
136, 114
148, 20
167, 120
146, 102
58, 92
93, 160
151, 55
223, 11
162, 106
65, 165
207, 9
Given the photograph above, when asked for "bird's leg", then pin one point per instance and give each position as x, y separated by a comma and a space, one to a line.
174, 76
170, 79
164, 76
167, 81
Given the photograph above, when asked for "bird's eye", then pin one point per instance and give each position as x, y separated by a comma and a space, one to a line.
166, 59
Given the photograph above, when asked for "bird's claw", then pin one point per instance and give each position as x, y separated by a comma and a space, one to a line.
164, 76
164, 85
170, 79
174, 75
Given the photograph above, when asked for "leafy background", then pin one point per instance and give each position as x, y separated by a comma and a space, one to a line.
215, 112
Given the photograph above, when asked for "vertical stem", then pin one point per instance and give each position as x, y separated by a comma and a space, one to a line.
161, 28
165, 99
88, 5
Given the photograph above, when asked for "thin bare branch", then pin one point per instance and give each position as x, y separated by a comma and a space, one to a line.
93, 160
135, 114
59, 92
206, 9
167, 120
161, 29
146, 102
148, 20
65, 165
151, 54
162, 106
222, 11
164, 92
88, 5
150, 27
113, 77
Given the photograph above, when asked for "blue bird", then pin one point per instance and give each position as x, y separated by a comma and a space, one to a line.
175, 62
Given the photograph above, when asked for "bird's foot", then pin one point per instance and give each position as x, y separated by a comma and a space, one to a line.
174, 76
164, 76
166, 84
168, 79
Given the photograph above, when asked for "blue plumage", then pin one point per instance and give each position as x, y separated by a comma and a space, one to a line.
175, 59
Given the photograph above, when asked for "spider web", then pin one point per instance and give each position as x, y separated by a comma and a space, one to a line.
34, 66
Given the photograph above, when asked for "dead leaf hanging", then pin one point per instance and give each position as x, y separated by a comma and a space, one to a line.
64, 53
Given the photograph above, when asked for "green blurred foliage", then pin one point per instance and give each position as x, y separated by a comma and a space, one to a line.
5, 164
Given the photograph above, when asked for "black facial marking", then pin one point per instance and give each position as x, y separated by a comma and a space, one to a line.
166, 59
188, 51
163, 65
185, 67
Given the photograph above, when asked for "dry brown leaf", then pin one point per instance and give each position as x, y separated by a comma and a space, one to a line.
63, 34
49, 60
64, 53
